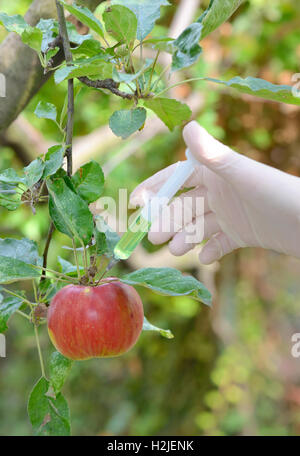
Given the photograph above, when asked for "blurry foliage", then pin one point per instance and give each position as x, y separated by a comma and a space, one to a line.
228, 373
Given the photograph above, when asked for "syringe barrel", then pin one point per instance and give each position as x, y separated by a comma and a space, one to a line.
181, 174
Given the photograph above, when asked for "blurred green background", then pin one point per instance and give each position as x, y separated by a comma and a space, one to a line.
229, 370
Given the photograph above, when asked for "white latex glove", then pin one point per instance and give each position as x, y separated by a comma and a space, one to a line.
247, 204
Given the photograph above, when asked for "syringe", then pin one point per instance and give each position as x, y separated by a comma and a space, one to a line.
142, 224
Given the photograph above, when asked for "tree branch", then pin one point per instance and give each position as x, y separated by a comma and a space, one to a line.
69, 59
108, 84
21, 66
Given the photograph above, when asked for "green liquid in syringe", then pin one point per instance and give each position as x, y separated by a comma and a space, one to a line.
130, 240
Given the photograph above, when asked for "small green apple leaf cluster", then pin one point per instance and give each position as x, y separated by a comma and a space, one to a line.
147, 326
17, 189
41, 37
108, 65
48, 412
169, 282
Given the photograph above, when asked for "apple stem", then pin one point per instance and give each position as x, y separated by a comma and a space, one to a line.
23, 314
17, 296
76, 258
59, 274
39, 350
84, 256
35, 292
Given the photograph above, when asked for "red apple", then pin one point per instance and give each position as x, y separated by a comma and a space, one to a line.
95, 322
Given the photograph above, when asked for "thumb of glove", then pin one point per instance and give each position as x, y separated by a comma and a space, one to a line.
213, 154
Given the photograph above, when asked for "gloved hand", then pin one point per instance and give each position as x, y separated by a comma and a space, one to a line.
246, 203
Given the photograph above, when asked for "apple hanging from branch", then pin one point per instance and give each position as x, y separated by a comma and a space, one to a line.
95, 322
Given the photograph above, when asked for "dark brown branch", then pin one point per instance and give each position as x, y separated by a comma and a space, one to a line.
69, 60
70, 122
108, 84
46, 250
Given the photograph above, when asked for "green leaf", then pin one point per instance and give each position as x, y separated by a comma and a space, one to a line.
9, 176
49, 29
187, 44
8, 307
89, 181
170, 111
49, 288
85, 16
33, 172
146, 11
164, 44
188, 49
60, 368
95, 67
68, 268
46, 111
14, 23
218, 11
9, 198
10, 205
33, 37
69, 212
53, 160
20, 249
16, 258
169, 282
12, 270
106, 239
74, 36
261, 88
48, 415
100, 242
121, 23
126, 121
90, 48
147, 326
